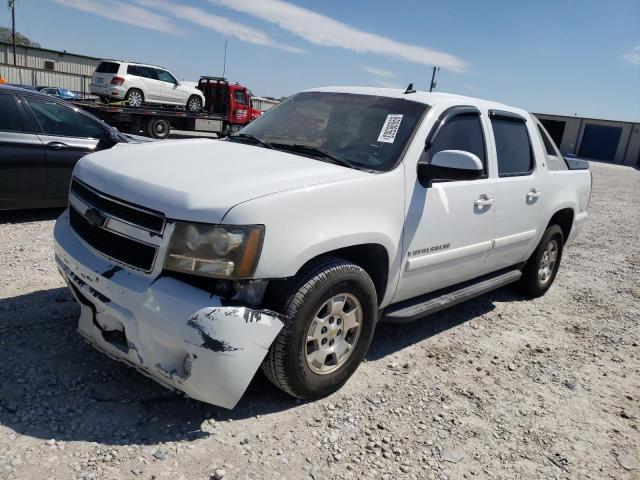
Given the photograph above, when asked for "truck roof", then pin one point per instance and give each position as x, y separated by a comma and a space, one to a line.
429, 98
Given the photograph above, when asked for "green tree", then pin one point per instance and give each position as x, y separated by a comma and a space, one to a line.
5, 36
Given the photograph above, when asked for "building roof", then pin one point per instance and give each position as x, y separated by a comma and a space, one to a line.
59, 52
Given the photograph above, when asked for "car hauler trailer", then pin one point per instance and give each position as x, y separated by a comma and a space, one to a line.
227, 109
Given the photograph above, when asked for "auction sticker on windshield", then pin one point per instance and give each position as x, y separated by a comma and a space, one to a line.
390, 128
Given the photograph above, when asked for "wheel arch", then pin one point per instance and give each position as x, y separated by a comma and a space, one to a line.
373, 258
564, 219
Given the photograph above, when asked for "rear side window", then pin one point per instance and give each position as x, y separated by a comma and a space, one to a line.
144, 72
58, 119
10, 120
555, 160
108, 67
462, 132
515, 156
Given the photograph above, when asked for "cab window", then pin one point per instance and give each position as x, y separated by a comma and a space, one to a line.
239, 97
461, 132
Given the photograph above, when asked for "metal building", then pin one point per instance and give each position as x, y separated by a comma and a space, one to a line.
43, 67
595, 139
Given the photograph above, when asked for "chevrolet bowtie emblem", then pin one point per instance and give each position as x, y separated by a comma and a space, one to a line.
94, 217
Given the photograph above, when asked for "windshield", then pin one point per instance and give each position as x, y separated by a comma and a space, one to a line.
360, 131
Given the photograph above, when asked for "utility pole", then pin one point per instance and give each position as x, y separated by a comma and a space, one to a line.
433, 78
224, 66
12, 6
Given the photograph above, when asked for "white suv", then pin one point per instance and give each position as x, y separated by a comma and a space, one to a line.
138, 84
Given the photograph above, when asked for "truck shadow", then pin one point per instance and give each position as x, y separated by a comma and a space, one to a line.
392, 337
53, 385
24, 216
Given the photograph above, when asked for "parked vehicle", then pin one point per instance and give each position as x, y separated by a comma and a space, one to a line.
41, 139
137, 84
284, 245
227, 108
58, 92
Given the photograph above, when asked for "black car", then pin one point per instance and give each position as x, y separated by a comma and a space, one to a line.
41, 139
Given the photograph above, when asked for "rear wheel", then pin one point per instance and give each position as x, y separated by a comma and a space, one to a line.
134, 98
541, 268
194, 104
158, 128
330, 318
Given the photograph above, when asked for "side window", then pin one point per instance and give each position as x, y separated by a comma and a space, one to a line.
58, 119
165, 76
10, 120
462, 132
239, 97
515, 156
148, 72
133, 70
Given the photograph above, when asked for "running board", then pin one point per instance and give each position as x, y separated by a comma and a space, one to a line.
413, 309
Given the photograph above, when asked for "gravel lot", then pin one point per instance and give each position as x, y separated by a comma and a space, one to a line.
499, 387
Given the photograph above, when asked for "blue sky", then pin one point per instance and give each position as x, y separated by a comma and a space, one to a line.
560, 57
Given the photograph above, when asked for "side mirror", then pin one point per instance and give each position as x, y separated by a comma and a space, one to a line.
109, 140
450, 165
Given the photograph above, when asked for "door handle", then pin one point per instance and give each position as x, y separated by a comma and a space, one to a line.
57, 145
533, 193
483, 201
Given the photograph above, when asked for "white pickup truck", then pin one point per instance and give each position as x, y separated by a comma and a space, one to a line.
198, 261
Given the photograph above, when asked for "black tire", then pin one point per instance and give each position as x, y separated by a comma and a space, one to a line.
158, 128
531, 282
134, 93
286, 365
194, 104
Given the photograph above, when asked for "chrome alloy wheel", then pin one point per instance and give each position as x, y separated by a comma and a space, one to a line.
193, 105
134, 99
333, 333
548, 262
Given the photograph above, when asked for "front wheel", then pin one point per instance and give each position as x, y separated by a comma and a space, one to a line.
329, 322
541, 268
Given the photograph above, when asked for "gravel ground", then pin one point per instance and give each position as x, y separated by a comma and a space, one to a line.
498, 387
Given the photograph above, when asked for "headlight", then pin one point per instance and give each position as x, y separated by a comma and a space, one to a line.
219, 251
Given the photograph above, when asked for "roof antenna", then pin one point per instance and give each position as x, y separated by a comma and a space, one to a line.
410, 89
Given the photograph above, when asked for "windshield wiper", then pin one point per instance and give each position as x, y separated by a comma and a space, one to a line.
317, 152
248, 136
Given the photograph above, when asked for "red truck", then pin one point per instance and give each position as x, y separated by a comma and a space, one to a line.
227, 109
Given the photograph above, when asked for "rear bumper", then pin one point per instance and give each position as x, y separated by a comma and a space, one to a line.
179, 335
107, 90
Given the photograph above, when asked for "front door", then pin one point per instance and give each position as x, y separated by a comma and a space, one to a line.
171, 91
67, 135
449, 225
22, 157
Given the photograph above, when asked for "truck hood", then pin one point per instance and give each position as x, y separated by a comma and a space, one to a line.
201, 179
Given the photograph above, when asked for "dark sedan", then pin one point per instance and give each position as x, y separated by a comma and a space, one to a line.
41, 139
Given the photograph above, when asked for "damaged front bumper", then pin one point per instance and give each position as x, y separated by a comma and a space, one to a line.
179, 335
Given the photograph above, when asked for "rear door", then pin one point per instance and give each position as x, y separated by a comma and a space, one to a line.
22, 156
520, 199
67, 135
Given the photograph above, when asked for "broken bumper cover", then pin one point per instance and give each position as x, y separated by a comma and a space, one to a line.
179, 335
